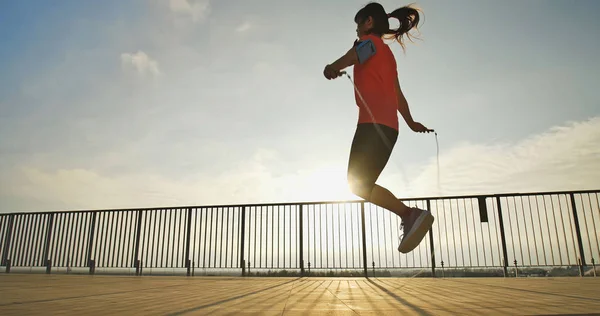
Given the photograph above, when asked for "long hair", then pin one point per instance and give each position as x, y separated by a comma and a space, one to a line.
408, 16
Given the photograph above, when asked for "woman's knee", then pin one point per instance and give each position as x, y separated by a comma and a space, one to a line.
360, 186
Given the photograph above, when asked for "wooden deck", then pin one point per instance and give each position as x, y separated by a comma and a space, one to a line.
27, 294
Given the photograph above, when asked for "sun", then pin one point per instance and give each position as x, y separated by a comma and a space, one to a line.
326, 183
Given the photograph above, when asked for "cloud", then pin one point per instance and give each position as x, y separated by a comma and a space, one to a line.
565, 157
197, 10
141, 62
243, 27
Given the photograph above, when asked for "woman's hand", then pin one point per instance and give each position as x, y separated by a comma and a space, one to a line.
419, 128
330, 73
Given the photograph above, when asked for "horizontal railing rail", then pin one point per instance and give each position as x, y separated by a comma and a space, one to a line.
500, 231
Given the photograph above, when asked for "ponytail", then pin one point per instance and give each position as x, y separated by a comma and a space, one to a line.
409, 19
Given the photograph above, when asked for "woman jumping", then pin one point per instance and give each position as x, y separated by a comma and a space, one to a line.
379, 98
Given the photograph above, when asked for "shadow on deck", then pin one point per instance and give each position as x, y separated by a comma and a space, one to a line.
126, 295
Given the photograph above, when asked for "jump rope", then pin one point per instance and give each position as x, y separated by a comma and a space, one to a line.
385, 140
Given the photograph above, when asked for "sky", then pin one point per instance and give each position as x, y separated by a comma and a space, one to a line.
119, 104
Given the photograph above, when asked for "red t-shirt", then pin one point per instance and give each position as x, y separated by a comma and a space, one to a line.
375, 80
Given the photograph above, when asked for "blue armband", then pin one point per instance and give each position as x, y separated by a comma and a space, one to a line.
364, 50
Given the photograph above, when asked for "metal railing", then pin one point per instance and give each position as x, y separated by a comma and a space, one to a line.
551, 229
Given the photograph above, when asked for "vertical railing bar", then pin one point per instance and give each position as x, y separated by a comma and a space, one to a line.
72, 231
453, 234
53, 249
118, 229
290, 234
132, 220
212, 231
431, 238
593, 224
512, 235
556, 229
496, 220
33, 239
3, 229
563, 224
192, 249
188, 233
229, 209
157, 258
371, 231
234, 250
346, 234
502, 236
77, 255
21, 227
149, 233
587, 232
220, 219
197, 231
85, 241
48, 237
113, 237
64, 230
571, 234
314, 211
131, 230
103, 245
166, 238
526, 231
22, 232
364, 240
537, 207
262, 246
578, 230
437, 220
168, 225
326, 238
8, 239
272, 213
152, 259
179, 245
548, 228
254, 233
206, 242
301, 238
475, 233
39, 240
468, 235
92, 233
533, 230
138, 233
446, 231
241, 239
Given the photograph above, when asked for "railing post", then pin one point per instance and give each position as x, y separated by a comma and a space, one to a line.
300, 217
431, 243
242, 260
502, 236
7, 240
137, 236
188, 241
364, 238
47, 246
578, 232
91, 263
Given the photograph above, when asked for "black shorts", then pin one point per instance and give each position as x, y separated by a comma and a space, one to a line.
371, 149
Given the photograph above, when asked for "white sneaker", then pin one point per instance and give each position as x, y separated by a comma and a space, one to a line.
415, 227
